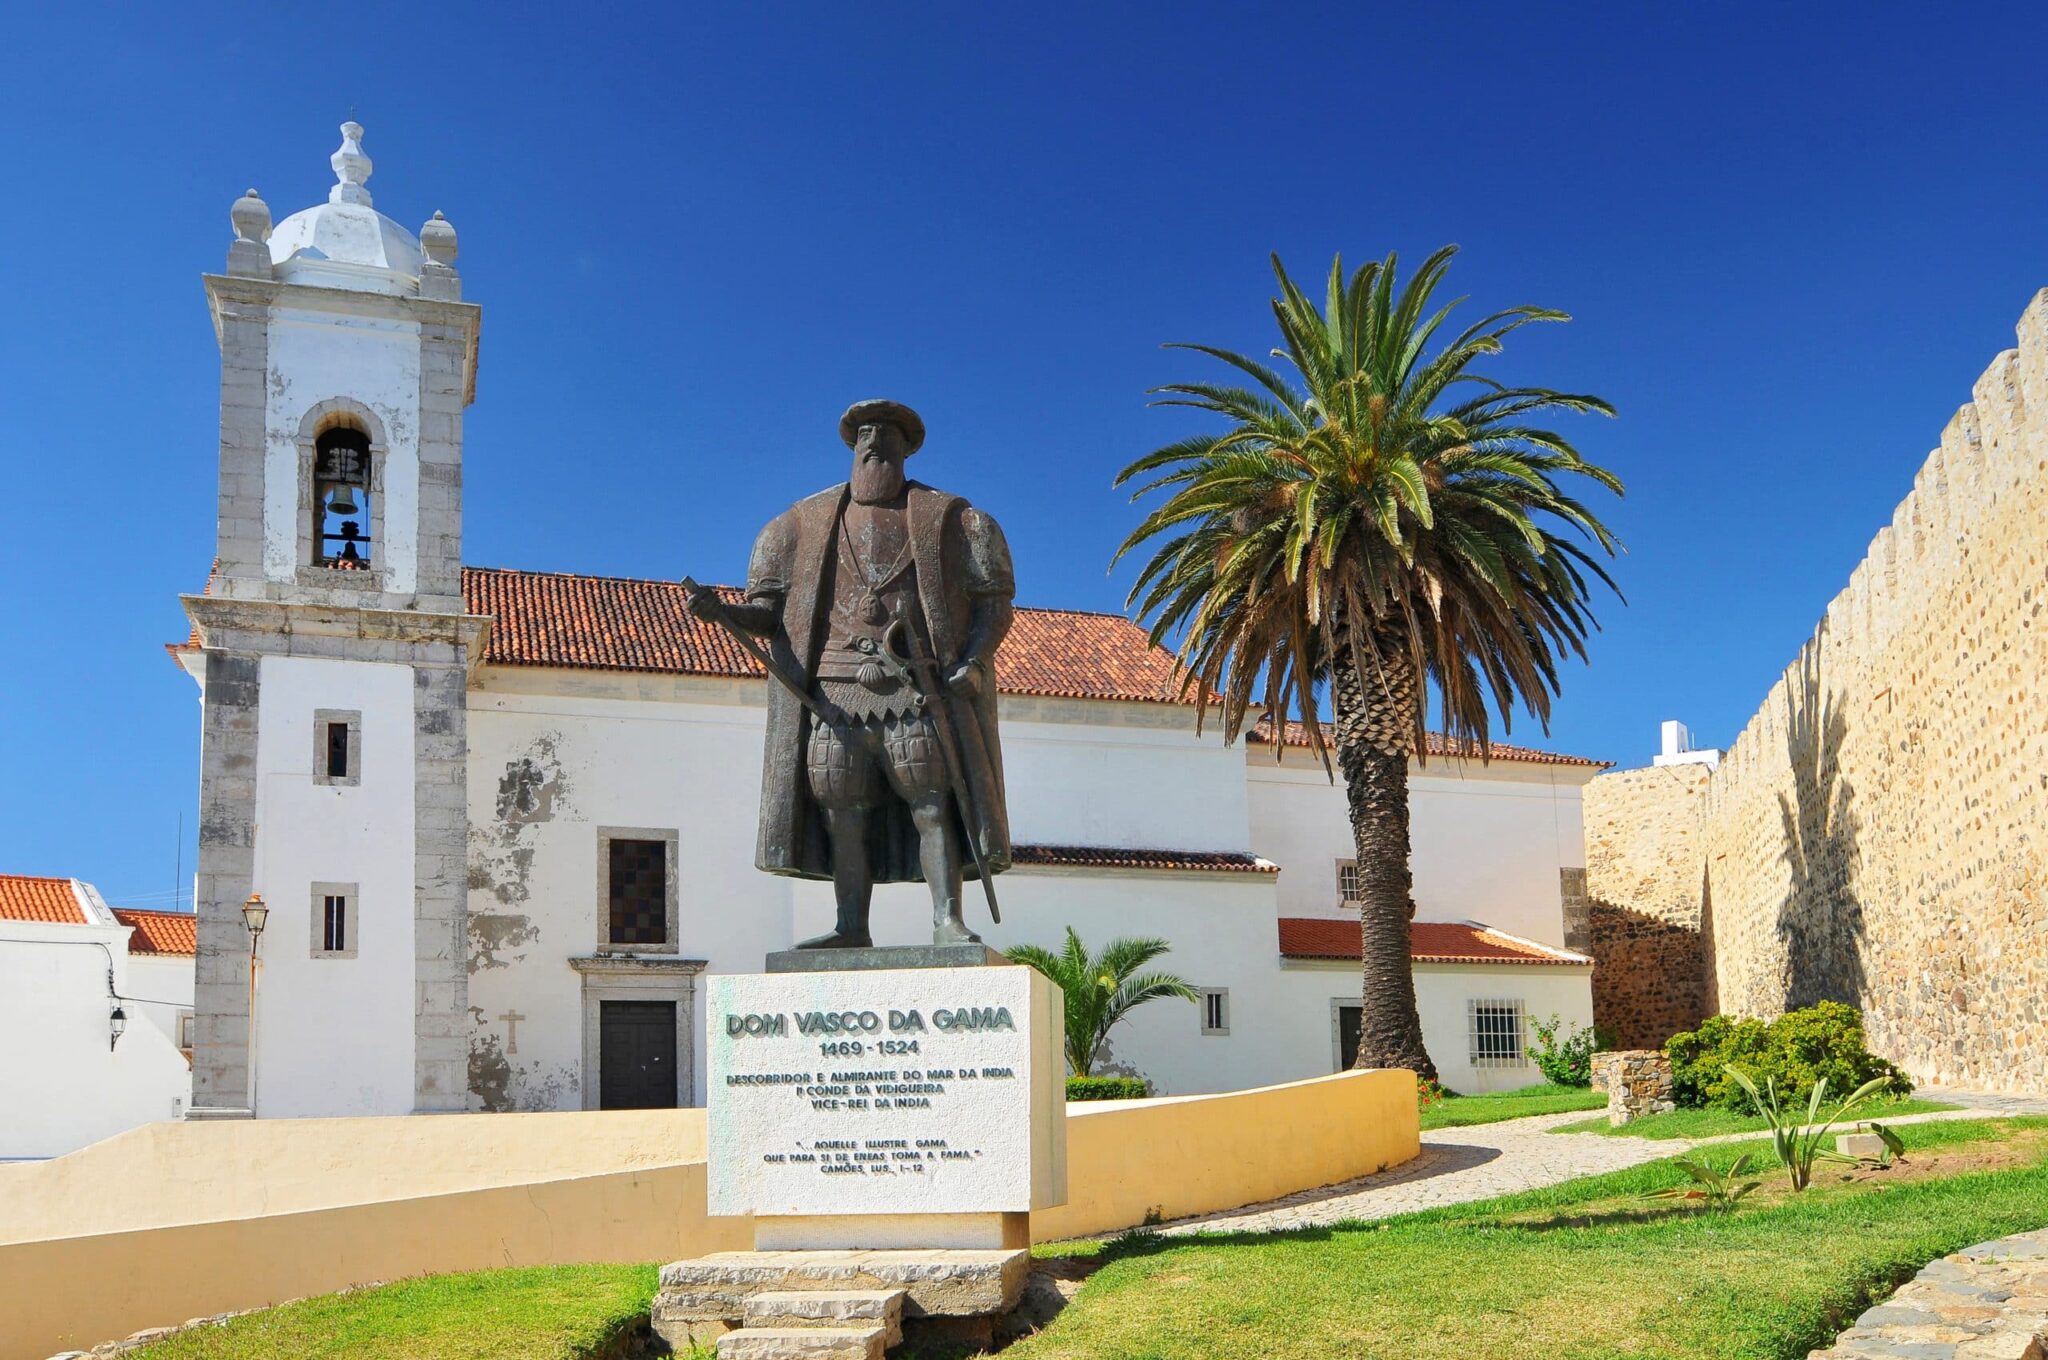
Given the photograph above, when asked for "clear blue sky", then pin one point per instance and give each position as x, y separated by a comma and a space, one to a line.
1792, 236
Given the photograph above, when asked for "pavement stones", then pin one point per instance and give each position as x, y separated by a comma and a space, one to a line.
1987, 1302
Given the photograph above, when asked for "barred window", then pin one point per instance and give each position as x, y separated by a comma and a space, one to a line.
639, 892
1215, 1003
1496, 1033
334, 920
1347, 882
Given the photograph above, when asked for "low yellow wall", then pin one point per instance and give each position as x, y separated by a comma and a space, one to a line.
177, 1221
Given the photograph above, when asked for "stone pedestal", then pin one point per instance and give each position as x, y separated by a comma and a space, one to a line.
889, 1118
1637, 1082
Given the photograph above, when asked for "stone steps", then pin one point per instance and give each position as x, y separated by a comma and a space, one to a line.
803, 1343
856, 1308
709, 1298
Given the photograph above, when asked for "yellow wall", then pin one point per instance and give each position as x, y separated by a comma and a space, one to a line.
175, 1221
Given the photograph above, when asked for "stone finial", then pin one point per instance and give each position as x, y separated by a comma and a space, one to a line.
351, 167
251, 216
437, 239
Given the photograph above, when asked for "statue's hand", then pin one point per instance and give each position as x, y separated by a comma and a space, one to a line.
705, 604
965, 678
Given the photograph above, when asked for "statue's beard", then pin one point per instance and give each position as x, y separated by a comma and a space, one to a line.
877, 479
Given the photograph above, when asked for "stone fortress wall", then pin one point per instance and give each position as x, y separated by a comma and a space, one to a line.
1644, 869
1879, 831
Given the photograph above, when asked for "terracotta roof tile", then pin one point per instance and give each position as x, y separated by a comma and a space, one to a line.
26, 897
607, 623
160, 932
1439, 745
1093, 857
1305, 937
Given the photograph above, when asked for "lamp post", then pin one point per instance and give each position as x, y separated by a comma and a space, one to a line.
117, 1022
254, 916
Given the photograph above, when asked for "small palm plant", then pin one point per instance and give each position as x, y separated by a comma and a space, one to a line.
1101, 989
1720, 1189
1798, 1141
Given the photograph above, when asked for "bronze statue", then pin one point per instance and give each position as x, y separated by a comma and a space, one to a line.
882, 602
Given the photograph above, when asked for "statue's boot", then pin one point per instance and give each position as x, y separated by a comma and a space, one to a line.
839, 939
949, 927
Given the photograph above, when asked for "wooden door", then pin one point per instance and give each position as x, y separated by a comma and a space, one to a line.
636, 1060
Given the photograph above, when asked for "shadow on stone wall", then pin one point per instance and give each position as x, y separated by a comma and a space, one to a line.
1649, 976
1820, 922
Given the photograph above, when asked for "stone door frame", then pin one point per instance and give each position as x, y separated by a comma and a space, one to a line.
638, 977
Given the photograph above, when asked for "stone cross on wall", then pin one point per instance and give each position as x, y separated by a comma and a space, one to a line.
511, 1019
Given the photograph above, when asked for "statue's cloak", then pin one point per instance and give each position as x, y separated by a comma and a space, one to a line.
961, 556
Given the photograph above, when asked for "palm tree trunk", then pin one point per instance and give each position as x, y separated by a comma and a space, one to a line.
1375, 722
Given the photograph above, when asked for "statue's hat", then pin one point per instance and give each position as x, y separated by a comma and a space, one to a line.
877, 410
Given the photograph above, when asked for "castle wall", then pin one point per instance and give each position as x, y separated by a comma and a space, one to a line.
1879, 831
1644, 874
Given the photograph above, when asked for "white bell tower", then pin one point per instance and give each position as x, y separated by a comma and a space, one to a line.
334, 657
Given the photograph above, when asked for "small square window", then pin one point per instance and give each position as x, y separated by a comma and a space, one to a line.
336, 920
1347, 882
337, 746
1215, 1004
636, 887
1496, 1034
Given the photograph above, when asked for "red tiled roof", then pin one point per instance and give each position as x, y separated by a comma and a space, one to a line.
1439, 745
605, 623
26, 897
160, 932
1305, 937
1092, 857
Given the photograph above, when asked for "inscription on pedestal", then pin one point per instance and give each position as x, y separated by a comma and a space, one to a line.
912, 1091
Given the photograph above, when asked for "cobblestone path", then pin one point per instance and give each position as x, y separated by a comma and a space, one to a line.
1987, 1302
1456, 1165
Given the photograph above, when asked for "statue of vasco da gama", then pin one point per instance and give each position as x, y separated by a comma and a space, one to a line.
882, 602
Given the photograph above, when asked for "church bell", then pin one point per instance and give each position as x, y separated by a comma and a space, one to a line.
343, 501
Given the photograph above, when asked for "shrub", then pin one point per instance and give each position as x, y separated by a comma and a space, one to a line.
1566, 1062
1108, 1088
1824, 1042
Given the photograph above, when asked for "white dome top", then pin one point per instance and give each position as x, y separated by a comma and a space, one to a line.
344, 242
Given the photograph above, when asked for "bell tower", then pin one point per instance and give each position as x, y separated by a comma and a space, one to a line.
333, 655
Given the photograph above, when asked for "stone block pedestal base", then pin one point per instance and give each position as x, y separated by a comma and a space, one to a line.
834, 1305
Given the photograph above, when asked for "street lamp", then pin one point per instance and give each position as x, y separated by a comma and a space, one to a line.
117, 1022
255, 916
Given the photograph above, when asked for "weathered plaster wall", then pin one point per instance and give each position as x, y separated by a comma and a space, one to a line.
1879, 831
1644, 874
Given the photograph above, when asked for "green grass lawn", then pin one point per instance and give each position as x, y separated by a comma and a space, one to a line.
1457, 1111
544, 1313
1708, 1123
1584, 1271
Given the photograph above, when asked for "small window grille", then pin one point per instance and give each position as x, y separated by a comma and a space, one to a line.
1347, 882
1496, 1033
334, 925
639, 891
1215, 1003
341, 500
337, 750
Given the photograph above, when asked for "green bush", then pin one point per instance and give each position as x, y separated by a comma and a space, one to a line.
1565, 1062
1824, 1041
1108, 1088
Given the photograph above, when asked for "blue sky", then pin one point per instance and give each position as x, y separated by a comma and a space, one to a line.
1791, 237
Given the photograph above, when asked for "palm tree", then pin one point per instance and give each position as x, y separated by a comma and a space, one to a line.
1378, 521
1101, 990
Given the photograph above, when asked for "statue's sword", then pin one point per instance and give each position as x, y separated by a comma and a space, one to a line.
920, 674
768, 663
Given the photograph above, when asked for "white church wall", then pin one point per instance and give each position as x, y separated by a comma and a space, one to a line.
1128, 775
366, 359
347, 1025
1487, 842
546, 771
67, 1084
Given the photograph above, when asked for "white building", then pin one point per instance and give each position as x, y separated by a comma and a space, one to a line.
92, 1000
503, 821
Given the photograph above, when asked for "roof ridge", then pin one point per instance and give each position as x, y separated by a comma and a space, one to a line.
154, 911
41, 878
723, 585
